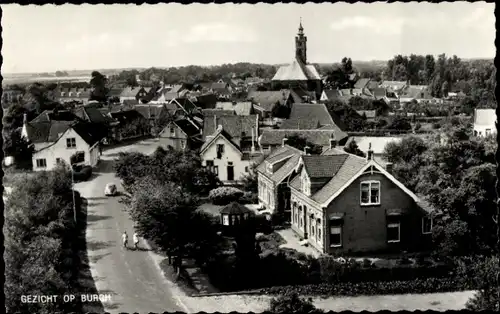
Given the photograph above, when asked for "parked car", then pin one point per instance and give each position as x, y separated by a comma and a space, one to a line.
110, 189
81, 173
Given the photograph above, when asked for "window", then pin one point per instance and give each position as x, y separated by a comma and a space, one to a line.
183, 144
71, 142
78, 157
335, 236
246, 169
220, 150
209, 164
488, 132
172, 131
426, 225
318, 232
41, 163
301, 217
225, 220
216, 170
393, 232
370, 193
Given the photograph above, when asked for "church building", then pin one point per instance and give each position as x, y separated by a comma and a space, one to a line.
298, 74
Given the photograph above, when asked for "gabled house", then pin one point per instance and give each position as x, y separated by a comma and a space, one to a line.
186, 105
264, 101
155, 114
241, 108
273, 175
230, 146
484, 122
133, 93
343, 204
396, 86
129, 123
168, 93
419, 93
181, 135
55, 142
97, 120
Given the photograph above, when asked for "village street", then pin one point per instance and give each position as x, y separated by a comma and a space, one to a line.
131, 277
136, 283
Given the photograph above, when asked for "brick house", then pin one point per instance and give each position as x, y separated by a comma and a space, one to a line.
273, 175
342, 203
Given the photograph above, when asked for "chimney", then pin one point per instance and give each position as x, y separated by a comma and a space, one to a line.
256, 125
25, 118
253, 140
306, 148
219, 128
388, 167
333, 142
283, 141
369, 156
215, 122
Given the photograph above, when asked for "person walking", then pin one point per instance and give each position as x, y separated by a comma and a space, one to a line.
136, 240
125, 238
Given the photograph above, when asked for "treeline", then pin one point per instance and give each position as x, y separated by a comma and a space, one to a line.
41, 243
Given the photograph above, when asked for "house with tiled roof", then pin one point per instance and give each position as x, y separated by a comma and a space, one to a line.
56, 141
133, 93
342, 204
156, 114
299, 73
362, 83
128, 124
273, 174
271, 139
264, 101
230, 146
484, 122
182, 134
395, 86
185, 105
240, 108
419, 93
98, 121
309, 116
222, 90
209, 113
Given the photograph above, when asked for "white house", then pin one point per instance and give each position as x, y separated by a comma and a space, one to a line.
57, 141
484, 122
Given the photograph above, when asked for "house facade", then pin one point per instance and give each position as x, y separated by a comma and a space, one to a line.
343, 203
55, 142
484, 122
181, 135
273, 175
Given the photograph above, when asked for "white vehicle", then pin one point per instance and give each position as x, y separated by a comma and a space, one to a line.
110, 189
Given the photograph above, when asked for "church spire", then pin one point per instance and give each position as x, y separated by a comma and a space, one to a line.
300, 44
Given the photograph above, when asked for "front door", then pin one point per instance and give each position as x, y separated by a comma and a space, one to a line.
230, 173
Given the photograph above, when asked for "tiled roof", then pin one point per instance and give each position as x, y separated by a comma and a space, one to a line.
324, 166
281, 152
235, 209
130, 91
149, 111
379, 92
217, 112
267, 99
218, 85
372, 84
362, 83
378, 142
334, 151
91, 114
296, 71
318, 137
206, 101
213, 136
176, 88
346, 167
485, 117
315, 112
87, 133
126, 115
244, 108
224, 105
414, 91
396, 85
332, 93
187, 127
299, 95
233, 125
186, 104
60, 115
49, 132
301, 124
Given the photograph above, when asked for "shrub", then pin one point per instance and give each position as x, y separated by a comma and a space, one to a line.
292, 303
82, 174
249, 198
225, 195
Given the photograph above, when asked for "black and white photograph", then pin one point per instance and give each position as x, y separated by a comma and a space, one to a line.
298, 158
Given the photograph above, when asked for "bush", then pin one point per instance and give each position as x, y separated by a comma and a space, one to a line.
225, 195
292, 303
249, 198
82, 174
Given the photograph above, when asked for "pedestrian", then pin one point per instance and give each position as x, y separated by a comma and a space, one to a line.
125, 238
136, 240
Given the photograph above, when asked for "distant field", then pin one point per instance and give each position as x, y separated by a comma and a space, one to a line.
25, 80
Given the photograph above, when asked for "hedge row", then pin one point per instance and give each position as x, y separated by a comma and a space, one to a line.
428, 285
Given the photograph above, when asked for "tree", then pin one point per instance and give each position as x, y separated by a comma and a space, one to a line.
292, 303
19, 148
429, 68
350, 118
482, 272
352, 148
405, 150
399, 123
98, 83
300, 142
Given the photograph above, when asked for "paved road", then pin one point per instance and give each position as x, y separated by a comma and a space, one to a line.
131, 277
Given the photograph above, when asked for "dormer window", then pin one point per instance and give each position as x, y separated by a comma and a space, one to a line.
70, 94
306, 188
78, 94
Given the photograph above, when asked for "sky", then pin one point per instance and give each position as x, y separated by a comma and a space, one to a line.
85, 37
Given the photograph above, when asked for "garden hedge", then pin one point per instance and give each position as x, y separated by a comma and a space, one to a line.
225, 195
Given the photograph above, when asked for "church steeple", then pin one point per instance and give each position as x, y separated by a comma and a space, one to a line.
300, 44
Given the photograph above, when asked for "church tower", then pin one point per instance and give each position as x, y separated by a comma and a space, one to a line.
300, 45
